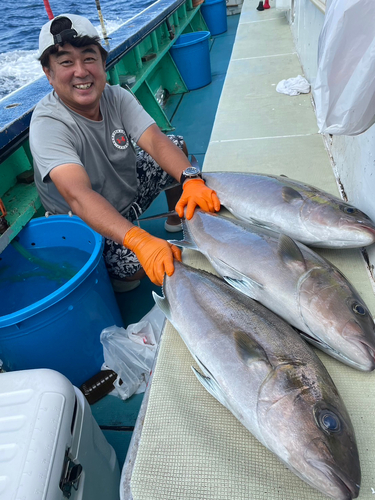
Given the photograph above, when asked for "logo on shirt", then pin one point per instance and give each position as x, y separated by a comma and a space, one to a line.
119, 139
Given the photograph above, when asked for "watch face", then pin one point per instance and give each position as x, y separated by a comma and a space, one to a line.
191, 171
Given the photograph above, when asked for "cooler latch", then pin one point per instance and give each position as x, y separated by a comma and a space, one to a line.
70, 476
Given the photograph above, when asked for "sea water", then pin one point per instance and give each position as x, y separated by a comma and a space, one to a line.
28, 275
21, 24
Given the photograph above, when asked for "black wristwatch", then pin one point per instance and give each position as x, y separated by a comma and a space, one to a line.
190, 173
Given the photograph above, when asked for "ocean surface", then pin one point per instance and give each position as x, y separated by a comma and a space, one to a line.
21, 24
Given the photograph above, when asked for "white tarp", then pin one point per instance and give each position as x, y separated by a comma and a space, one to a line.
344, 89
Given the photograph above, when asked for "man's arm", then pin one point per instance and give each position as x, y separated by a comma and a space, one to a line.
154, 254
163, 151
74, 185
173, 160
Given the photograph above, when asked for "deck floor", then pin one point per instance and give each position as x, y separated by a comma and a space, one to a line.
193, 116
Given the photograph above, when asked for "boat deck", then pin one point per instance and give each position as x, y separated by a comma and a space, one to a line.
186, 444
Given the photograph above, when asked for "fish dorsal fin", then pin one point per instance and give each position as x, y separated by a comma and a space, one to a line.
248, 349
289, 252
211, 386
290, 195
163, 304
188, 241
239, 281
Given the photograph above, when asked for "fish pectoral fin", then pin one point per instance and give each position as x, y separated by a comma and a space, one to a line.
290, 195
245, 285
163, 304
261, 224
239, 281
289, 252
248, 349
211, 386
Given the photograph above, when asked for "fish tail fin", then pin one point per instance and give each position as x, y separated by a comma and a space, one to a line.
188, 241
163, 304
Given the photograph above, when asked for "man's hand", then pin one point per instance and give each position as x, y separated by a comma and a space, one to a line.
196, 193
154, 254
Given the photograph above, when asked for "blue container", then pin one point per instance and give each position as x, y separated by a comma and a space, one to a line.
214, 13
56, 297
191, 53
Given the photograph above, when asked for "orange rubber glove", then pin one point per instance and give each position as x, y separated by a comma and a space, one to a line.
196, 193
154, 254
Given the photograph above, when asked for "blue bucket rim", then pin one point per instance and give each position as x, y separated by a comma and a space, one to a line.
210, 2
205, 36
69, 286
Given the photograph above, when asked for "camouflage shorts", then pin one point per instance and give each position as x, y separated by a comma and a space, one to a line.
152, 180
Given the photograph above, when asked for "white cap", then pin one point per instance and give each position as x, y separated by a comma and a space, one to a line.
80, 25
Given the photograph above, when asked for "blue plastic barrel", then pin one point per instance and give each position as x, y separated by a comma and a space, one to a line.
191, 53
214, 13
56, 298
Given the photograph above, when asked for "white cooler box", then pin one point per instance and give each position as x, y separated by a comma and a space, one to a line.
51, 448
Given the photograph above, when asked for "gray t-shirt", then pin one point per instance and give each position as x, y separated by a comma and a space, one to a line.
58, 135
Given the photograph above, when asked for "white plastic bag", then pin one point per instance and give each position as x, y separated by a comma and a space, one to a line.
130, 352
344, 89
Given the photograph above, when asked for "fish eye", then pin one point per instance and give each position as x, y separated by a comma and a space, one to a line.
359, 309
326, 418
329, 422
348, 209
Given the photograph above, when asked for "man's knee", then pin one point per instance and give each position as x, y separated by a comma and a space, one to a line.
179, 141
184, 148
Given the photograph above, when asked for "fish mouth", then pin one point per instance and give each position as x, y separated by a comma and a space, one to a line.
365, 349
370, 354
345, 488
367, 231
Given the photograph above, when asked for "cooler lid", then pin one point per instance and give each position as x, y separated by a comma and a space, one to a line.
36, 412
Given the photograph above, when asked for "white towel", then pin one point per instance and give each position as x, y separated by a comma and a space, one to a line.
293, 86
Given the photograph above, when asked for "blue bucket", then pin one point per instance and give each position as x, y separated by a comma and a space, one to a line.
56, 298
214, 13
191, 53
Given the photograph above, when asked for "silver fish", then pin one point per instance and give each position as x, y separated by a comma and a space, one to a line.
303, 212
258, 367
292, 280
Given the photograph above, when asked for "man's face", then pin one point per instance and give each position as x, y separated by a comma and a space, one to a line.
78, 76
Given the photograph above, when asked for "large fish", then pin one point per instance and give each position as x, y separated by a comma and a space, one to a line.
292, 280
257, 366
303, 212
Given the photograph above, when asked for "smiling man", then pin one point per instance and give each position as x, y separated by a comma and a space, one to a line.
83, 137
